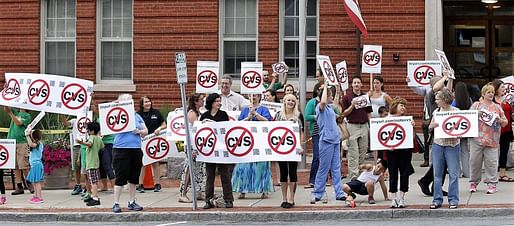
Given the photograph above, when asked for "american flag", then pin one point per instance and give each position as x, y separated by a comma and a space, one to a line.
353, 10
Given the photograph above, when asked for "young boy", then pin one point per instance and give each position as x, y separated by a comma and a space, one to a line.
94, 144
365, 183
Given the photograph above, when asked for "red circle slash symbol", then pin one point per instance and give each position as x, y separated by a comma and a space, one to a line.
157, 148
361, 102
509, 87
486, 117
82, 124
328, 71
4, 158
177, 126
372, 58
423, 74
39, 92
343, 75
117, 119
12, 90
456, 125
285, 139
391, 135
244, 140
74, 96
204, 139
251, 79
207, 79
280, 68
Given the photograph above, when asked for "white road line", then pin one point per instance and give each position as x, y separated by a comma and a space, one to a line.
173, 223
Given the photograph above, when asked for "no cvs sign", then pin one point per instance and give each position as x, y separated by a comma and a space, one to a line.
117, 117
282, 140
239, 141
74, 96
39, 92
176, 130
454, 124
79, 126
252, 81
342, 74
205, 141
156, 148
372, 59
508, 83
327, 69
7, 153
391, 133
207, 76
12, 90
420, 72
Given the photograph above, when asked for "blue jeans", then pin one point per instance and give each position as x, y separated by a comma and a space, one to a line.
450, 155
329, 160
315, 159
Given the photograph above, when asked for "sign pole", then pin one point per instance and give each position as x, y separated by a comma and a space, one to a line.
181, 68
371, 81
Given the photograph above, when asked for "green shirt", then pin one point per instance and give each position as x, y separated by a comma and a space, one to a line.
275, 86
107, 139
18, 132
92, 158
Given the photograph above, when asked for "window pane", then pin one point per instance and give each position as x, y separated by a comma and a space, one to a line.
311, 49
60, 58
60, 21
289, 6
240, 17
504, 35
290, 49
504, 63
312, 6
289, 26
116, 60
467, 64
117, 18
230, 8
311, 28
466, 36
236, 52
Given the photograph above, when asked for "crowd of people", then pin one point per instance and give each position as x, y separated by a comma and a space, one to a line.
115, 161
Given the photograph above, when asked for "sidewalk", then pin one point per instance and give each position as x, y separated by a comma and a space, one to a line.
59, 204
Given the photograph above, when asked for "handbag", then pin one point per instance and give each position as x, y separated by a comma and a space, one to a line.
419, 147
343, 130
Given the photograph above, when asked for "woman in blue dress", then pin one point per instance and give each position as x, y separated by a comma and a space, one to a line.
253, 177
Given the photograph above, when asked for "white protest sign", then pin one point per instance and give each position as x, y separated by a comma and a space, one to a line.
280, 68
342, 74
454, 124
272, 107
156, 148
7, 153
252, 81
508, 83
233, 115
487, 117
372, 59
50, 93
176, 130
117, 117
234, 142
79, 127
326, 68
207, 76
34, 122
420, 72
445, 64
391, 133
362, 101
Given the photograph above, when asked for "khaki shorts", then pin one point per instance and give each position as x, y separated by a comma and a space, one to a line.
75, 151
22, 156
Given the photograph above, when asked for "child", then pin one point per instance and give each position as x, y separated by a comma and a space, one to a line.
36, 172
365, 183
93, 144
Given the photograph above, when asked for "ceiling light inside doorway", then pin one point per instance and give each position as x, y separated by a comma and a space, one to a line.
489, 1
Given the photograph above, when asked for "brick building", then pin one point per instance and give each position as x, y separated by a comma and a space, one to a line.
129, 45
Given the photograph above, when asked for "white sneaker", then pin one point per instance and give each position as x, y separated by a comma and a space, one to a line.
401, 203
394, 203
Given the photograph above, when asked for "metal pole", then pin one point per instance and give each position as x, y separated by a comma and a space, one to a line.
188, 144
302, 72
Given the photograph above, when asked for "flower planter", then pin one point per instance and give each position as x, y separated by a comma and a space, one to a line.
58, 179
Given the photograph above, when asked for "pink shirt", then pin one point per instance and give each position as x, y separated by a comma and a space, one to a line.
489, 136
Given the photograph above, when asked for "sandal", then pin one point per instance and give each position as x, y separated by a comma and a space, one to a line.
506, 179
435, 206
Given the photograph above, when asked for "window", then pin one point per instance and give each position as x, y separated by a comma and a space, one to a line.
239, 34
115, 32
290, 36
58, 50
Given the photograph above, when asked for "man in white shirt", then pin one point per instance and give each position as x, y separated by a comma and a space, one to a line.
230, 100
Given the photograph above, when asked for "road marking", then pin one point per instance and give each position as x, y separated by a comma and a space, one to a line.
174, 223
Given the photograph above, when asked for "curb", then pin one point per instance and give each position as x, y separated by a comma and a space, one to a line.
256, 216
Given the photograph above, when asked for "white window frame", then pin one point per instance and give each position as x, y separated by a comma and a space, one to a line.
222, 39
311, 81
106, 84
44, 39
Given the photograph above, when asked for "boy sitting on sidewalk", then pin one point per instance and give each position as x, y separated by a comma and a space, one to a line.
365, 183
94, 144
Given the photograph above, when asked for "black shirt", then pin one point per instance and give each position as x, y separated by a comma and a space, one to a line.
153, 119
219, 117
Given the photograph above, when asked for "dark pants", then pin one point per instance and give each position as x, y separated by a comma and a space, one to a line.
399, 161
428, 178
288, 169
106, 162
127, 163
224, 171
2, 185
426, 141
315, 159
505, 139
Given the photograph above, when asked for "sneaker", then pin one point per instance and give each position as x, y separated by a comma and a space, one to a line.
229, 204
371, 200
342, 198
208, 205
314, 200
472, 187
89, 199
394, 203
86, 196
3, 200
453, 206
93, 202
116, 208
157, 188
140, 188
76, 190
35, 200
184, 199
401, 203
491, 188
134, 206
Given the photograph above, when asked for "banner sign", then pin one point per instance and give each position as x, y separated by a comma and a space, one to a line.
391, 133
50, 93
372, 59
7, 153
207, 76
420, 72
233, 115
117, 117
79, 127
176, 131
342, 74
326, 68
508, 83
453, 124
362, 101
445, 64
235, 142
252, 80
156, 148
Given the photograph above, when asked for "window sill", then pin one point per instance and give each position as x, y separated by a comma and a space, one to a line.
114, 88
